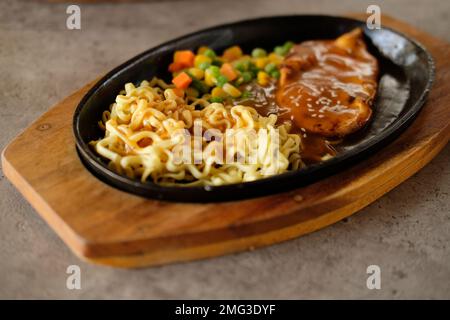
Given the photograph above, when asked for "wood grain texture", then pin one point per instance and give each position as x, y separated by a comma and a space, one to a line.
108, 226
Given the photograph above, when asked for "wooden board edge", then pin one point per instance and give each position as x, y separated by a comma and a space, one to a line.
69, 237
79, 247
252, 242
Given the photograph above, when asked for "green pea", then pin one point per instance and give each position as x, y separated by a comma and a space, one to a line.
270, 67
253, 69
221, 80
288, 45
284, 49
280, 50
210, 53
275, 74
200, 86
259, 53
215, 70
204, 65
240, 66
216, 99
247, 76
246, 94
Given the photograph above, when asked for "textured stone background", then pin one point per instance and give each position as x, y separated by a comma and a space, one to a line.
406, 232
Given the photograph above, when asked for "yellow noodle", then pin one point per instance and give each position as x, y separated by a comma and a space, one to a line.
143, 136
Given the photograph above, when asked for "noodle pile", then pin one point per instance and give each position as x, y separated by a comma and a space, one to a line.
150, 135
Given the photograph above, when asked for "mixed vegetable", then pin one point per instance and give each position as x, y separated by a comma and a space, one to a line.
222, 77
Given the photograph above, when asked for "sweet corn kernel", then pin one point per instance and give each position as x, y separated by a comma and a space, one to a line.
263, 78
274, 58
209, 78
197, 73
218, 92
199, 59
231, 90
261, 62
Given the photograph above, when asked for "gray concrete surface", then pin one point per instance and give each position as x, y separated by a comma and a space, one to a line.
406, 232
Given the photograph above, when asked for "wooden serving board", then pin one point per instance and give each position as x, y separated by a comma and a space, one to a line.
108, 226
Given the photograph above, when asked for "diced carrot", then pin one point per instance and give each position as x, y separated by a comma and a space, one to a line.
184, 57
232, 53
175, 67
182, 81
179, 92
228, 71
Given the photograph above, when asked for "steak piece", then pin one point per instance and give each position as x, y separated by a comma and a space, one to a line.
327, 86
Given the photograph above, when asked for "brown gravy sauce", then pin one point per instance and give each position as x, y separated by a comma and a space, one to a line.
325, 95
315, 147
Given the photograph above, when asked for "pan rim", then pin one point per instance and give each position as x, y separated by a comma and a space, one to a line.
198, 193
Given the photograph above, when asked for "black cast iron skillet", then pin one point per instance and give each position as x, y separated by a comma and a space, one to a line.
406, 75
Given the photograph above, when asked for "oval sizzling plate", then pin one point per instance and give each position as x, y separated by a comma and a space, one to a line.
406, 75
